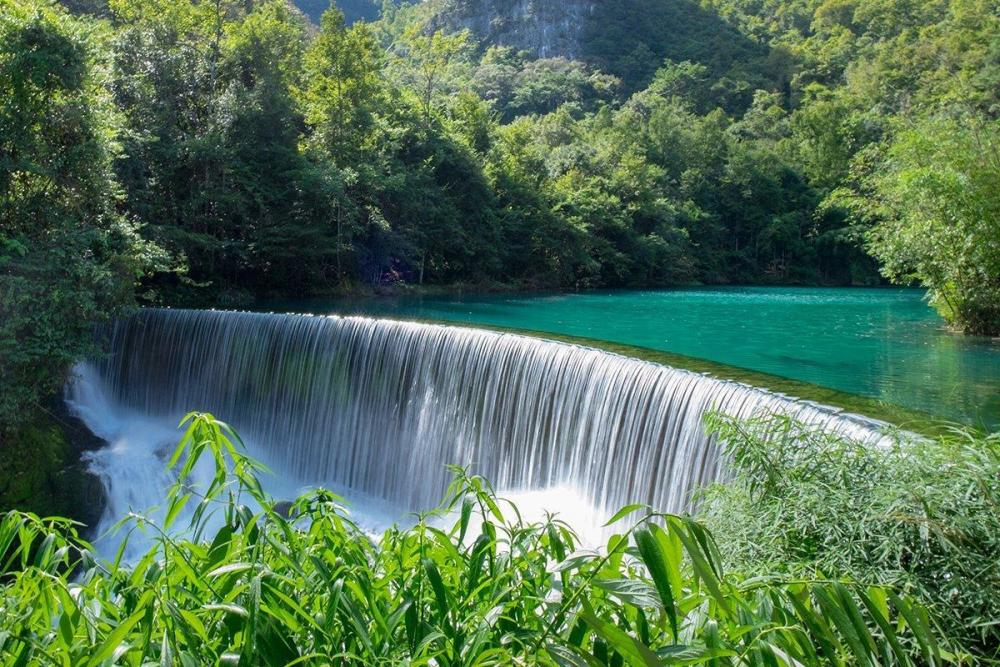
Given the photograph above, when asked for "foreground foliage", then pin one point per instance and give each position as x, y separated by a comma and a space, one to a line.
490, 589
921, 515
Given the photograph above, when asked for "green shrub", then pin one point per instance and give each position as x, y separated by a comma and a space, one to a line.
491, 590
919, 514
30, 461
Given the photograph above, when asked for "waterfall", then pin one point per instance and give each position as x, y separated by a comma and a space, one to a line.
381, 407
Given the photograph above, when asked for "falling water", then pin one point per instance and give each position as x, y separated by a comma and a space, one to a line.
381, 407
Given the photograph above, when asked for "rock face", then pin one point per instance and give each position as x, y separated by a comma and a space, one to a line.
42, 468
546, 28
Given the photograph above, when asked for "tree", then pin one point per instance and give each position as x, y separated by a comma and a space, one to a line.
167, 83
432, 60
935, 215
344, 86
283, 199
344, 94
545, 84
68, 258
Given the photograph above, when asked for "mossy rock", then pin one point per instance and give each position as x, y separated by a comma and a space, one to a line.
41, 471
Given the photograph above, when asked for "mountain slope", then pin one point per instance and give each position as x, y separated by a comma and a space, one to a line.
354, 10
542, 27
627, 38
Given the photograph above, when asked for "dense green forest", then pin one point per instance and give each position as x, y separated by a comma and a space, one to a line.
214, 152
211, 153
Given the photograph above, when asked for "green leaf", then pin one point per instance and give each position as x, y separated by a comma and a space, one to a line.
115, 639
434, 575
659, 566
233, 609
176, 505
229, 569
679, 654
631, 649
574, 561
632, 591
701, 563
569, 656
466, 515
624, 512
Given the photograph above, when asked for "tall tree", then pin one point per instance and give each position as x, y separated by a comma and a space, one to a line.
343, 95
433, 60
68, 257
935, 212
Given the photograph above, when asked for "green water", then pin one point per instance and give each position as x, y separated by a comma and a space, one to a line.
884, 344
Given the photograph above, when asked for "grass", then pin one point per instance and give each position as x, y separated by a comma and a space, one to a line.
249, 586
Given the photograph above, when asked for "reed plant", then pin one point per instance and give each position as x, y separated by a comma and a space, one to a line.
239, 581
918, 514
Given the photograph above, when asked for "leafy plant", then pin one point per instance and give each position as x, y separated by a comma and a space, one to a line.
917, 514
305, 585
936, 216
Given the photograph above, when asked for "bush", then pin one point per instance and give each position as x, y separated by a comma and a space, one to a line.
492, 589
935, 215
921, 515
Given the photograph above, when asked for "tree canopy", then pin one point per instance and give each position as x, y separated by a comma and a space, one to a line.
246, 153
68, 256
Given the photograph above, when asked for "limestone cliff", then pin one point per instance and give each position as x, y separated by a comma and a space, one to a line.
546, 28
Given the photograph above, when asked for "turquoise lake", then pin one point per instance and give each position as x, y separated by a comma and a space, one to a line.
886, 344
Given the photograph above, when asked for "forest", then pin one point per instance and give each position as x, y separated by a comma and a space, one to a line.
210, 153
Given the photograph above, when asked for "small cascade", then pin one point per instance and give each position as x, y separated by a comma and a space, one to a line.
382, 407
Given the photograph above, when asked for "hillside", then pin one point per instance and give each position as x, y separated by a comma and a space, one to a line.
354, 10
544, 29
626, 38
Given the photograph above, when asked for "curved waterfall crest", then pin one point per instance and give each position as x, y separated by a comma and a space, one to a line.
382, 406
